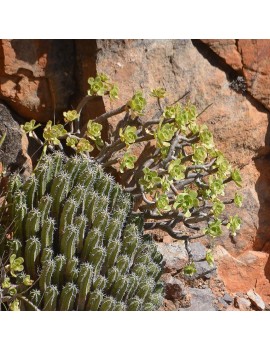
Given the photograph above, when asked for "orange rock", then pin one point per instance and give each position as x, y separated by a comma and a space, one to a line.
256, 68
242, 303
250, 270
168, 239
251, 57
36, 76
227, 49
256, 300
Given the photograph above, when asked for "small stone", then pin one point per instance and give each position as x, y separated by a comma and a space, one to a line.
222, 302
256, 300
267, 307
232, 308
175, 256
201, 300
204, 270
174, 288
168, 305
242, 303
240, 294
167, 239
198, 251
228, 299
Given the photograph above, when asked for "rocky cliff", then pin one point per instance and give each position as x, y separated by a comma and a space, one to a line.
40, 78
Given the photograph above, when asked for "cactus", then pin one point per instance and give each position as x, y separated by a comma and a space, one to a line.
74, 227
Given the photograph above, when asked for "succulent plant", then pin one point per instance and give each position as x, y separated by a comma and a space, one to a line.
81, 244
182, 179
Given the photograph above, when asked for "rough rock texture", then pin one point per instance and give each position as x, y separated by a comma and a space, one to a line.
37, 76
86, 57
198, 251
242, 303
227, 299
175, 256
244, 272
256, 300
250, 57
201, 292
201, 300
174, 288
13, 152
228, 50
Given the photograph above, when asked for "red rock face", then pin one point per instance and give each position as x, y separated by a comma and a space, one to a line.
250, 270
36, 76
251, 58
228, 50
256, 68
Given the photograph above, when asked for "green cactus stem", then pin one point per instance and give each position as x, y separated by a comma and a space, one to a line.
68, 296
74, 228
50, 298
32, 252
84, 284
45, 279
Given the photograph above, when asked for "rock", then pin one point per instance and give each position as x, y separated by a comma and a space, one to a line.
222, 303
242, 303
201, 300
256, 300
244, 272
198, 251
13, 152
174, 288
168, 305
240, 294
204, 270
37, 76
167, 239
228, 299
267, 307
85, 61
175, 256
256, 68
249, 56
232, 308
228, 50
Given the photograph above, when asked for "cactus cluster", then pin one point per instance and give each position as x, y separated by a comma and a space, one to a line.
81, 244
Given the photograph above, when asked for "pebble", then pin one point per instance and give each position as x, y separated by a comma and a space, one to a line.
256, 300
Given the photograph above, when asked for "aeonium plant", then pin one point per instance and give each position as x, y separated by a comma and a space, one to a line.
13, 282
179, 187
